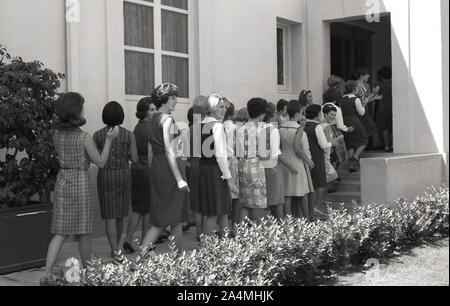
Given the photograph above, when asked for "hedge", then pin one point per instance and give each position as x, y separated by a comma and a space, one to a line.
288, 252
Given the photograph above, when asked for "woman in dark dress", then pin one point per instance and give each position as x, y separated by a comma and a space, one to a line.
114, 180
140, 175
353, 108
215, 175
168, 187
317, 144
384, 112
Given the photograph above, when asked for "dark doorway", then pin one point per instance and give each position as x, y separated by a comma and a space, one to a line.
356, 43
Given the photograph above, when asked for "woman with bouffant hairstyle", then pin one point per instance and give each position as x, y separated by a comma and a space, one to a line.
168, 187
73, 200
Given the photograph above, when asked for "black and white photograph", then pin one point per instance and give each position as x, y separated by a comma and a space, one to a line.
225, 149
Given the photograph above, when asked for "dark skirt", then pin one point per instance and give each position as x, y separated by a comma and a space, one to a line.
193, 176
140, 190
114, 192
168, 204
319, 174
215, 197
358, 137
369, 124
384, 116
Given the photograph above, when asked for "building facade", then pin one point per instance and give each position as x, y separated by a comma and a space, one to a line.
120, 49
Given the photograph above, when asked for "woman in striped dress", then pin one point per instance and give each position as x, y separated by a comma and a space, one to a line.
72, 211
114, 180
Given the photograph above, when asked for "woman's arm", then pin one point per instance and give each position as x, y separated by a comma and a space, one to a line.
100, 159
220, 150
170, 153
298, 148
133, 150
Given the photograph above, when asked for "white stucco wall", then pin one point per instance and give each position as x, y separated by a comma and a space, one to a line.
35, 30
237, 47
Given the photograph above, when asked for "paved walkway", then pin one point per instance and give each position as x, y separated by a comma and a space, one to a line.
100, 247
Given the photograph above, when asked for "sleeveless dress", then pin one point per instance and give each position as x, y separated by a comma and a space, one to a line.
252, 181
73, 201
233, 163
318, 174
114, 180
358, 137
215, 196
168, 204
140, 171
300, 184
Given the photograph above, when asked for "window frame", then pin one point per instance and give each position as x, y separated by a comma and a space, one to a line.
287, 87
157, 51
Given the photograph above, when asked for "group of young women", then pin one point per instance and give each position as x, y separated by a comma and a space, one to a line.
262, 159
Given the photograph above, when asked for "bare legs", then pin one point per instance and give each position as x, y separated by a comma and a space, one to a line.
54, 248
114, 229
210, 224
359, 152
133, 223
153, 234
84, 246
53, 251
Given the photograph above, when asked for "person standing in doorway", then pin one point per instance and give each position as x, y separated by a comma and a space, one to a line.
353, 108
384, 112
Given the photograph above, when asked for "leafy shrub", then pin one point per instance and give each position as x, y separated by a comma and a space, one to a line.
290, 252
27, 95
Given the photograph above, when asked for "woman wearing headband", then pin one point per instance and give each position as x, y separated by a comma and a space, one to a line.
168, 188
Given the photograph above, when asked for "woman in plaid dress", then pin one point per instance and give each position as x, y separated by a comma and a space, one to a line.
114, 180
72, 211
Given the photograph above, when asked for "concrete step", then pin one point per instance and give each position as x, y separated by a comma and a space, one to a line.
351, 176
346, 197
348, 185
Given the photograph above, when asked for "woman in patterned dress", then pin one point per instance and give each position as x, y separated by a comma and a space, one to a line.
329, 113
367, 96
168, 187
140, 175
252, 181
114, 180
72, 211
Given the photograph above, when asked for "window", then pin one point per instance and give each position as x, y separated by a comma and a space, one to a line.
283, 60
157, 46
290, 75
